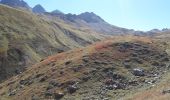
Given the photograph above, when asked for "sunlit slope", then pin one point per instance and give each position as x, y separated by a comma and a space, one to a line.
26, 38
103, 70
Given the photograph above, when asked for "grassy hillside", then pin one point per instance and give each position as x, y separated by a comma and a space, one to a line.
26, 38
104, 70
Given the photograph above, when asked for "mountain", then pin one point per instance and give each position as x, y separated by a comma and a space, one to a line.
114, 68
15, 3
26, 38
38, 9
57, 12
90, 17
92, 21
53, 56
88, 20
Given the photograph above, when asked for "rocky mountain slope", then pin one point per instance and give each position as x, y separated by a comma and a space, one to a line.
92, 21
53, 56
15, 3
107, 70
26, 38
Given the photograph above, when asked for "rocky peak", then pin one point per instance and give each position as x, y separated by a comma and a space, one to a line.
38, 9
90, 17
57, 12
15, 3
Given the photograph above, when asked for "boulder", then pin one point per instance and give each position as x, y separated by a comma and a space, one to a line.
58, 95
12, 93
138, 72
72, 88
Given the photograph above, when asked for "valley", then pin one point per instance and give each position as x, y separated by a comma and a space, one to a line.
57, 56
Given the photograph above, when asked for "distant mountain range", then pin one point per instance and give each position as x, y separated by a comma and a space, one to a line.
87, 19
92, 21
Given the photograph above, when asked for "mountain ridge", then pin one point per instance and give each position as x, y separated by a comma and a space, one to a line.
86, 19
15, 3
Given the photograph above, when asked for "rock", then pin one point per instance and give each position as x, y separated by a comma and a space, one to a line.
109, 87
109, 74
55, 95
165, 59
117, 76
127, 45
12, 93
54, 83
85, 59
97, 62
53, 64
68, 62
138, 72
126, 60
38, 75
166, 91
86, 78
72, 88
58, 95
137, 60
127, 65
76, 68
109, 82
115, 86
119, 86
61, 72
49, 87
34, 97
108, 69
134, 54
48, 94
133, 83
155, 63
18, 71
150, 81
43, 79
26, 82
41, 60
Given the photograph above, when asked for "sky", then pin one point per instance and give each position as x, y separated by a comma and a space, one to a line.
141, 15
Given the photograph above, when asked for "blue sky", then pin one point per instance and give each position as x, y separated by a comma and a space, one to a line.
133, 14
